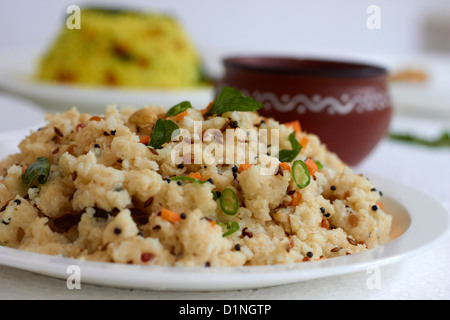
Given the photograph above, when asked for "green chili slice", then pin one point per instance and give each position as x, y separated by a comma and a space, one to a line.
231, 228
300, 174
37, 173
229, 202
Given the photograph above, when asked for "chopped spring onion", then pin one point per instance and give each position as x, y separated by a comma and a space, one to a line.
229, 202
300, 174
231, 228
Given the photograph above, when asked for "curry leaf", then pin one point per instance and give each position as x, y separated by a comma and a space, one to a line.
162, 133
230, 99
178, 108
319, 164
290, 155
189, 179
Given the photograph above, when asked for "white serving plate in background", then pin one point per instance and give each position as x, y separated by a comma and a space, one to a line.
16, 70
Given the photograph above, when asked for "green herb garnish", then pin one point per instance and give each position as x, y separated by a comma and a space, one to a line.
300, 174
442, 141
37, 173
231, 227
319, 164
289, 155
162, 133
230, 99
229, 202
184, 178
179, 108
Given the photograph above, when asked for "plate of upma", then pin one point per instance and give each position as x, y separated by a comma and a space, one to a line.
213, 199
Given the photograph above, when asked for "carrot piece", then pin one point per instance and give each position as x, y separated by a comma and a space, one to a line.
244, 167
380, 205
204, 111
295, 125
285, 166
296, 199
95, 118
170, 215
179, 116
145, 140
304, 141
24, 169
212, 223
195, 175
312, 166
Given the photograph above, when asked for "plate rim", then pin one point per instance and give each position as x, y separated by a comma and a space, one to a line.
248, 277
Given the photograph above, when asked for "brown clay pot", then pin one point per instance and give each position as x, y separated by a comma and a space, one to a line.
346, 104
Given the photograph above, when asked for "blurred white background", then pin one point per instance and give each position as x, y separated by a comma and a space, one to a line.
413, 34
326, 27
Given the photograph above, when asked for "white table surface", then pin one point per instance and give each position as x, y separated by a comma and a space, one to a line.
422, 277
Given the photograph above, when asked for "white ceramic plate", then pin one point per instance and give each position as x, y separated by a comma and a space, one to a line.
419, 222
430, 98
16, 76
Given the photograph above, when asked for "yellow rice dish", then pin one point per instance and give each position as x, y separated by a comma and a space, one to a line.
124, 49
106, 188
